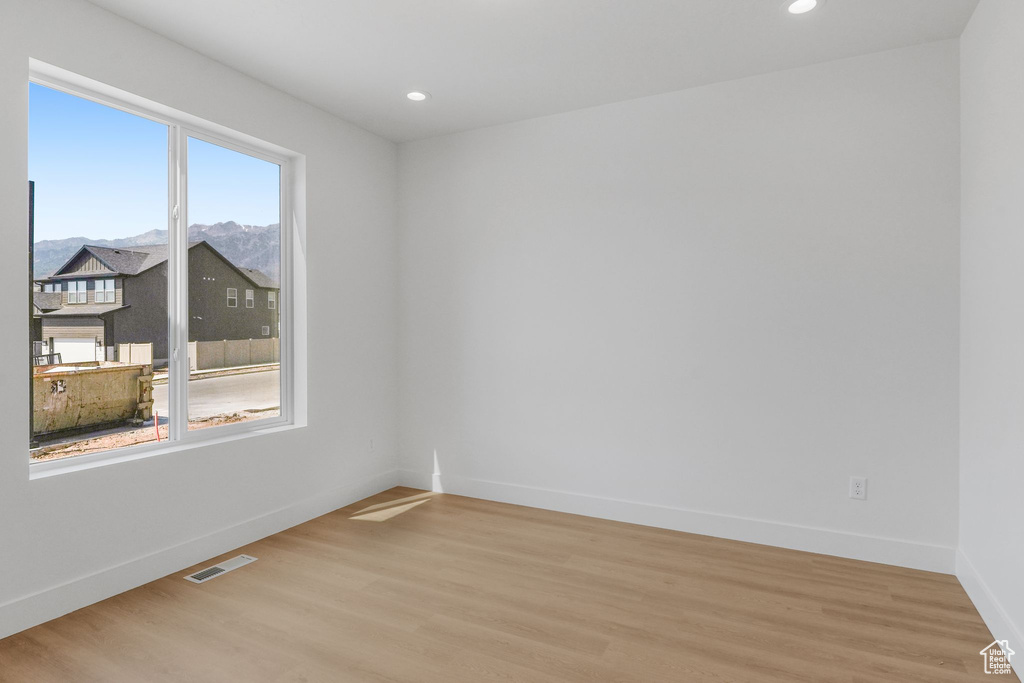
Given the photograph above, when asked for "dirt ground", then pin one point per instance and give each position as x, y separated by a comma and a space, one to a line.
132, 437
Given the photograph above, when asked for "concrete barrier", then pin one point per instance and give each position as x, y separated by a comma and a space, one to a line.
66, 397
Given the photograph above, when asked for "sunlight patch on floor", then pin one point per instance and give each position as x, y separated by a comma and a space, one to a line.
385, 511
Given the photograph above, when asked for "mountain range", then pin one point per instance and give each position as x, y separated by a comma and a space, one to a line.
247, 246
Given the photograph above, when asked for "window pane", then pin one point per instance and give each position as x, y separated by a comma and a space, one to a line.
99, 316
234, 233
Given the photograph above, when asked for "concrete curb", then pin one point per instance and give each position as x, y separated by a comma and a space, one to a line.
161, 378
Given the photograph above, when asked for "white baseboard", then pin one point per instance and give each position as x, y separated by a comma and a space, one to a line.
31, 610
828, 542
992, 613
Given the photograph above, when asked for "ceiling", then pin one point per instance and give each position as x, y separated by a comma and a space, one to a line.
493, 61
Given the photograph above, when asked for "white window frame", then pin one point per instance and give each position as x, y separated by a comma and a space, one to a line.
272, 300
181, 127
109, 295
266, 330
232, 297
250, 298
81, 290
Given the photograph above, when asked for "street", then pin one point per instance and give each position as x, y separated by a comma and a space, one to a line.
224, 395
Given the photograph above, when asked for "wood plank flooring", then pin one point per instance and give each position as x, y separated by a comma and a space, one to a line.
408, 586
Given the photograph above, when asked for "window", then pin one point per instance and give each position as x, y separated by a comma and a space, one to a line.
229, 187
105, 291
78, 292
85, 159
206, 211
272, 300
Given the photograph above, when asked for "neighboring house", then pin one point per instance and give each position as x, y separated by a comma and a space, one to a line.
111, 296
42, 302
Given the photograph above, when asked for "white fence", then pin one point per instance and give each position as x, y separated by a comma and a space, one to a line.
135, 353
233, 353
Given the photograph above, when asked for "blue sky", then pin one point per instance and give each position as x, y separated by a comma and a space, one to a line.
102, 173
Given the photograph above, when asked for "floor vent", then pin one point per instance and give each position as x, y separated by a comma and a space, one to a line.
218, 569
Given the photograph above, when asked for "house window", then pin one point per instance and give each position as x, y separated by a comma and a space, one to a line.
172, 288
105, 291
78, 292
272, 300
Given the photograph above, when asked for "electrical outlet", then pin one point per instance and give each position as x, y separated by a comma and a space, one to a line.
859, 488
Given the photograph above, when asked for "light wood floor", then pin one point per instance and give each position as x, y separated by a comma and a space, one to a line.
425, 587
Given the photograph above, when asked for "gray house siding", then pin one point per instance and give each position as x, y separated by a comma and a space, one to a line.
87, 264
139, 312
145, 319
210, 318
87, 328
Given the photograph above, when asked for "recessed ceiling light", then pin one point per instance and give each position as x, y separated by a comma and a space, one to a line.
418, 96
801, 6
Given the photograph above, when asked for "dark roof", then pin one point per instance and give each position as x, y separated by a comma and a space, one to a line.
261, 279
90, 310
130, 261
46, 301
137, 259
120, 260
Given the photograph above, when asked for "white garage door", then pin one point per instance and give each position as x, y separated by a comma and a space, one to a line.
75, 350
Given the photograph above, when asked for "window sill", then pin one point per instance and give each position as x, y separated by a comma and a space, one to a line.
50, 468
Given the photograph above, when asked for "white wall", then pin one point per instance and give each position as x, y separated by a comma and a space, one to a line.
704, 309
991, 563
70, 539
